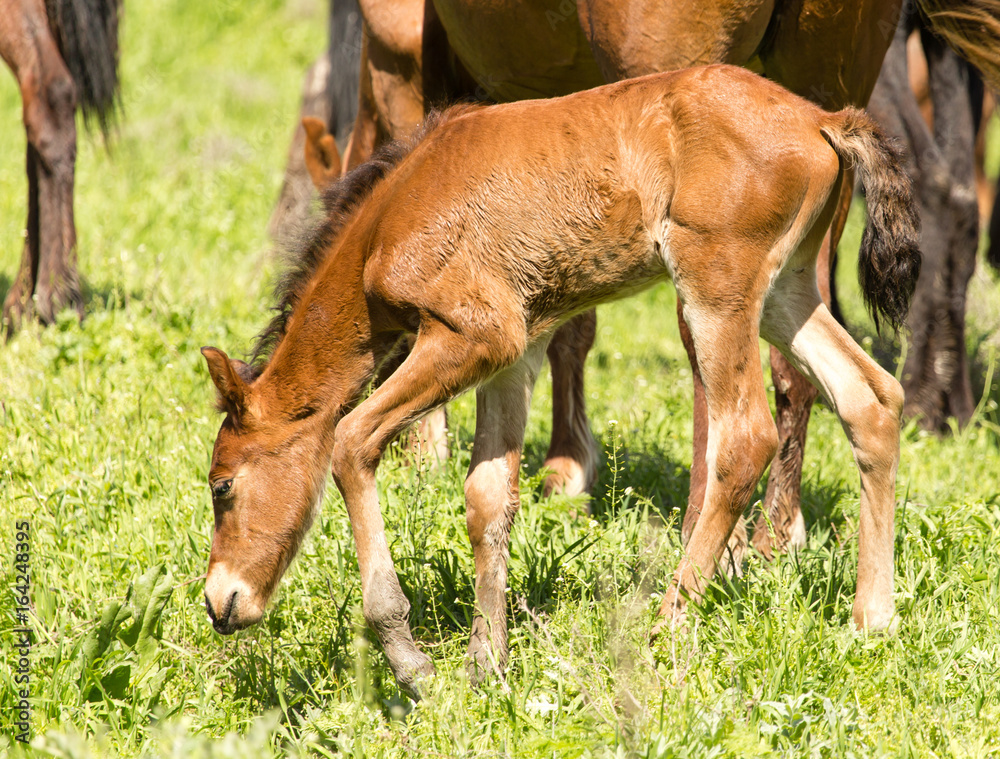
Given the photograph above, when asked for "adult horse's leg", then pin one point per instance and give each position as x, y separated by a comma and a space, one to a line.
941, 165
492, 497
572, 455
954, 136
47, 281
391, 93
17, 304
943, 360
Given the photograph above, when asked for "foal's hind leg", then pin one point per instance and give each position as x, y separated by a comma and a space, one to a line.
781, 526
740, 443
869, 403
492, 498
732, 558
573, 452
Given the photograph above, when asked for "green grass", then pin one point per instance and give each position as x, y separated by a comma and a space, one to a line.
106, 430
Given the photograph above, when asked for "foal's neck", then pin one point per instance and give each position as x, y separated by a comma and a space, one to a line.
324, 362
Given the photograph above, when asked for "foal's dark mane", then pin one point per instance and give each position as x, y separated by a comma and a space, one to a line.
340, 202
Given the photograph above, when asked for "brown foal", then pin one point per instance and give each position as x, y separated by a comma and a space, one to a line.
713, 177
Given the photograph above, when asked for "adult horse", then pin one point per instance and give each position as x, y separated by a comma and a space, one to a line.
940, 160
495, 228
64, 54
416, 54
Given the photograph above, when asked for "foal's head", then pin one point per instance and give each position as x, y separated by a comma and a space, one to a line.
267, 477
274, 449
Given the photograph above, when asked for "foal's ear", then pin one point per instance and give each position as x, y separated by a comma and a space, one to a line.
231, 378
322, 156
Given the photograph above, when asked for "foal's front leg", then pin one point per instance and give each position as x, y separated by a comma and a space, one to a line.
441, 364
492, 498
781, 526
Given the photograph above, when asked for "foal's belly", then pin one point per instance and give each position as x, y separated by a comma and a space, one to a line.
610, 270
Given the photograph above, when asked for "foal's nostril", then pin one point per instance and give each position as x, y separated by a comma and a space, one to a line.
227, 613
209, 609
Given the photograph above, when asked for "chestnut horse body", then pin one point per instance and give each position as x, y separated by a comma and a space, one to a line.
417, 54
712, 177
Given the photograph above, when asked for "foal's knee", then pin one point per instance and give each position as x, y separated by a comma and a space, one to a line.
354, 450
489, 501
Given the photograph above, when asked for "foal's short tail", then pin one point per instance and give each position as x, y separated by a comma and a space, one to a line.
889, 260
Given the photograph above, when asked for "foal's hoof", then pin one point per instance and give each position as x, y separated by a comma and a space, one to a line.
672, 616
482, 662
877, 621
667, 626
411, 669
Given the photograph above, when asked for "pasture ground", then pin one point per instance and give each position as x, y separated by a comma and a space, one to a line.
106, 430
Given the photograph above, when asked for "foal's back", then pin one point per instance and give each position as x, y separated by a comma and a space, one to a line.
539, 209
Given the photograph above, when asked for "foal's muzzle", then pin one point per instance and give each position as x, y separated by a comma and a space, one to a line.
222, 622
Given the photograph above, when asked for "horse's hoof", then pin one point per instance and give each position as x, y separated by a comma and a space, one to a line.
568, 476
770, 538
482, 662
429, 439
16, 312
877, 621
667, 626
50, 299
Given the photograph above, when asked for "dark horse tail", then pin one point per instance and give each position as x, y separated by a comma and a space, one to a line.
87, 34
345, 60
889, 260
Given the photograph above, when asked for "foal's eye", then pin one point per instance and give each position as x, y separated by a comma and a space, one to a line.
219, 489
